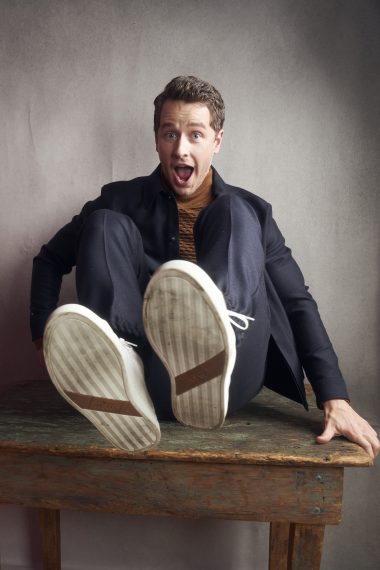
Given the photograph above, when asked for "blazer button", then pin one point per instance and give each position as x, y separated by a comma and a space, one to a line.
172, 238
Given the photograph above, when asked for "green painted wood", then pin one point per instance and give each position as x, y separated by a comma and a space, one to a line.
271, 430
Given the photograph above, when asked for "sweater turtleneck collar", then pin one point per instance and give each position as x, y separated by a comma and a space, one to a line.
201, 196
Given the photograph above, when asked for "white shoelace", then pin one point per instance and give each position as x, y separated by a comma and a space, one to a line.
243, 318
127, 344
232, 315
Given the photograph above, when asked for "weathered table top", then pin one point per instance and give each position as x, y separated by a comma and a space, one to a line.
270, 430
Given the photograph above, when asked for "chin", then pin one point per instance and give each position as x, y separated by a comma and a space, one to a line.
184, 191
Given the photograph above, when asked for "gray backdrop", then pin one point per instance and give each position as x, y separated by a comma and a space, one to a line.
301, 84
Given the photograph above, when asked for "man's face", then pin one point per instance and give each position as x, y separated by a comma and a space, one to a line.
186, 144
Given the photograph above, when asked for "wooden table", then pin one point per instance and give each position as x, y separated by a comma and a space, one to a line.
263, 465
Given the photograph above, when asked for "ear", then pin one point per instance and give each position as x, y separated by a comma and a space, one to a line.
218, 141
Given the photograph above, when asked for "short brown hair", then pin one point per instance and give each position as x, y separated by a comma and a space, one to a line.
192, 90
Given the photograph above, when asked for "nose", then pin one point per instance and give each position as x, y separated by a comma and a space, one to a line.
182, 147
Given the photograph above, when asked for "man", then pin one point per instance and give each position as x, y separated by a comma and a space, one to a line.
189, 300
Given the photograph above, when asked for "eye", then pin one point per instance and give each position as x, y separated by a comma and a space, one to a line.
197, 135
170, 136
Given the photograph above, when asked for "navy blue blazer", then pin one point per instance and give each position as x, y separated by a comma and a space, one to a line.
299, 340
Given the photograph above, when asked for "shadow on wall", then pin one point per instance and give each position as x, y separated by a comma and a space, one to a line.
17, 352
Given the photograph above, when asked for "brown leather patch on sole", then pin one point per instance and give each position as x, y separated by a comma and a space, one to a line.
103, 404
200, 374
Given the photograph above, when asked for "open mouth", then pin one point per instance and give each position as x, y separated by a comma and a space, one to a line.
184, 172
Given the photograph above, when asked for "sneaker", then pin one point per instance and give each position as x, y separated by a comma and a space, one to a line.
101, 376
189, 327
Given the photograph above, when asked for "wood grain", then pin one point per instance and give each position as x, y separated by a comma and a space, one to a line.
51, 542
246, 492
271, 430
263, 465
279, 545
305, 547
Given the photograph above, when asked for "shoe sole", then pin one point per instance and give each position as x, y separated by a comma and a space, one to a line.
85, 363
186, 322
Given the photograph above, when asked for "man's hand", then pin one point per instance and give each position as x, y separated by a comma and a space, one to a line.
40, 353
341, 419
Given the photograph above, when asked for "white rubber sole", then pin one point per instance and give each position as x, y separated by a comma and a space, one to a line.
99, 377
186, 322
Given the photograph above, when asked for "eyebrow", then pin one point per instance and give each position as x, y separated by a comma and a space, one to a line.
170, 124
202, 125
167, 124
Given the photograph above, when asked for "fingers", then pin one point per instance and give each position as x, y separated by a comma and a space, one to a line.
375, 444
343, 420
327, 435
365, 436
369, 443
366, 443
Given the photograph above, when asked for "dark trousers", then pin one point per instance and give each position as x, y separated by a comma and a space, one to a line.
113, 272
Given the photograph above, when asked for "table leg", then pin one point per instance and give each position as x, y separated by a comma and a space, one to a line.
51, 541
279, 545
305, 546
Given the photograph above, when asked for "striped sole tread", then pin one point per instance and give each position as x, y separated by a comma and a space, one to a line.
84, 362
182, 328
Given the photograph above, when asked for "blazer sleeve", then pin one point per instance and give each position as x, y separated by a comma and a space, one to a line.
55, 259
313, 345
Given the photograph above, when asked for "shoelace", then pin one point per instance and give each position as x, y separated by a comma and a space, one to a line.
243, 318
127, 344
232, 315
